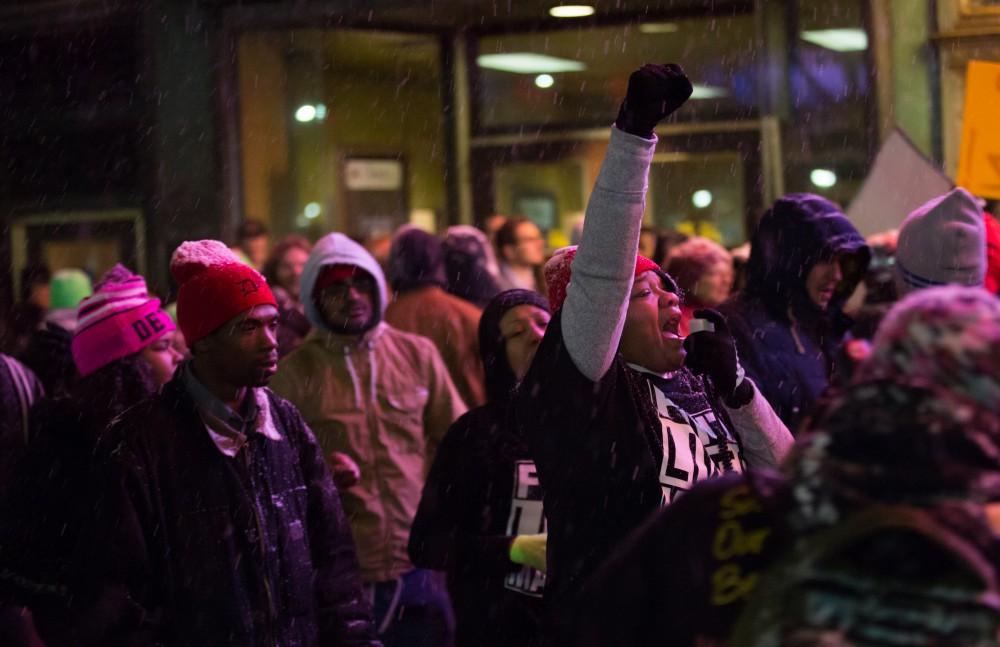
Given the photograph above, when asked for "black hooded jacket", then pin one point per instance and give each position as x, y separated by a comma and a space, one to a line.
785, 342
483, 490
415, 260
466, 266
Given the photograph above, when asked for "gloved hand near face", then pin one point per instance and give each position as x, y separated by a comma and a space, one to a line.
713, 353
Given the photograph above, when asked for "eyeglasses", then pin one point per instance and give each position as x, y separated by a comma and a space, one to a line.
341, 288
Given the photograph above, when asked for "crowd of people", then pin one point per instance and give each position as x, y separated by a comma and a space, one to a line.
634, 440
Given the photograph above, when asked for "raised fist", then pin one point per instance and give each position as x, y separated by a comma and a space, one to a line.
654, 92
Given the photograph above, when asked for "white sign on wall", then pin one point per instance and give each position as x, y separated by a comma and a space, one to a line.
373, 175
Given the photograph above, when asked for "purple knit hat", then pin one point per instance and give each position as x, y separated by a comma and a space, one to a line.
946, 336
119, 319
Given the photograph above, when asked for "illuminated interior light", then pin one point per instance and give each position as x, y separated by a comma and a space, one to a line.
305, 113
701, 198
571, 11
528, 63
838, 40
708, 92
658, 28
312, 210
544, 81
824, 178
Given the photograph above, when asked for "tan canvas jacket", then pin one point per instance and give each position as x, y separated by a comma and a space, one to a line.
386, 400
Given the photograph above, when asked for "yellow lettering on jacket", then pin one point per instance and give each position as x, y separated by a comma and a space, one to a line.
729, 584
732, 541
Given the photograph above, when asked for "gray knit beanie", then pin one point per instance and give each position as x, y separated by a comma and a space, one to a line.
942, 242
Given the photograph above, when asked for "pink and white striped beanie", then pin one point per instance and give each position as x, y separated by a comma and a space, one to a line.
119, 319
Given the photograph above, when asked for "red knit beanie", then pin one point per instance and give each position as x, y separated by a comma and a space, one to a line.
331, 274
992, 282
557, 273
214, 287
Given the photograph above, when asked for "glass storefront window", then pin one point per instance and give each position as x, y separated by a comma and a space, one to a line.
341, 130
700, 195
576, 77
830, 127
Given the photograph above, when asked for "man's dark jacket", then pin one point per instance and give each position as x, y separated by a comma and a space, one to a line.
249, 550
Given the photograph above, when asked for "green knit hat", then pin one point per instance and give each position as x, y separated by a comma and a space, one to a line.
68, 288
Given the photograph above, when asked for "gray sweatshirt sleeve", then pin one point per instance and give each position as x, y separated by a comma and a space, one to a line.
597, 298
765, 438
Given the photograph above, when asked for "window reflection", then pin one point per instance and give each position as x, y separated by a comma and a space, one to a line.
576, 77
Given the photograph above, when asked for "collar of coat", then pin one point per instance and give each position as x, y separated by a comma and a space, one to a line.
347, 344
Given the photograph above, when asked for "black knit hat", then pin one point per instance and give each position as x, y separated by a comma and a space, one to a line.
416, 259
500, 378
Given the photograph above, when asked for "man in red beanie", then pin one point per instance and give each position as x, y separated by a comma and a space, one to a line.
230, 529
623, 415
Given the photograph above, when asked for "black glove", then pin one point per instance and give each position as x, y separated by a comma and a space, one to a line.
654, 92
713, 353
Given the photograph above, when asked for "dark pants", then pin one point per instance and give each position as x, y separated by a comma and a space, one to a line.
413, 611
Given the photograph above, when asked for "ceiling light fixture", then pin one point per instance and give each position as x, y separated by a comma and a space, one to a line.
571, 11
838, 40
312, 210
824, 178
700, 91
305, 113
544, 81
701, 198
658, 28
528, 63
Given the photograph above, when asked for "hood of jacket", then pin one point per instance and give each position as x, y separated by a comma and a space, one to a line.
500, 379
338, 249
470, 265
799, 230
416, 259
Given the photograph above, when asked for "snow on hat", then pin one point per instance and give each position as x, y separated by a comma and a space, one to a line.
942, 242
557, 273
947, 336
68, 288
214, 287
119, 319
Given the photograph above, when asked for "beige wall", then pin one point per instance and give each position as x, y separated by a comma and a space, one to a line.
263, 124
